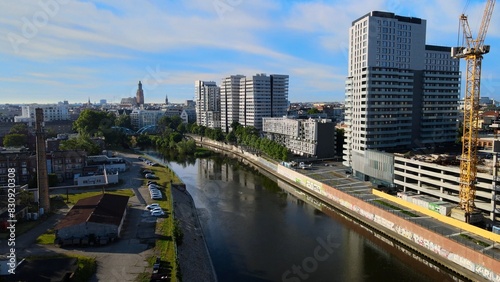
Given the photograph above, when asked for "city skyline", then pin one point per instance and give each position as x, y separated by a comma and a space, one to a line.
76, 50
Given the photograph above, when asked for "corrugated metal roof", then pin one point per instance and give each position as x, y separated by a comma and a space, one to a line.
103, 208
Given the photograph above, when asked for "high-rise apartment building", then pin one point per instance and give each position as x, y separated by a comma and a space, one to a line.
247, 100
230, 100
207, 96
400, 92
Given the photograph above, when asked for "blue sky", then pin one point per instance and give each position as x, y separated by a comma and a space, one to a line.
55, 50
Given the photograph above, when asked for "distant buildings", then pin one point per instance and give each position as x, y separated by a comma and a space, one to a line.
400, 92
207, 97
247, 100
188, 115
141, 118
230, 100
128, 102
304, 137
51, 112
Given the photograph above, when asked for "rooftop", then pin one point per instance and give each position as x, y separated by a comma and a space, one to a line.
103, 208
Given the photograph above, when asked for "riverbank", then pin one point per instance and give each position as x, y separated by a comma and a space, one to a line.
445, 249
193, 255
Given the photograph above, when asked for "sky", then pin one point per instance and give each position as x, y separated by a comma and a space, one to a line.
75, 50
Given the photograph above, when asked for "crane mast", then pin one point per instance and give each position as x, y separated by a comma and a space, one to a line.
472, 52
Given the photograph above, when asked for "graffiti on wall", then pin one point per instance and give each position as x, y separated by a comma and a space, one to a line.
324, 190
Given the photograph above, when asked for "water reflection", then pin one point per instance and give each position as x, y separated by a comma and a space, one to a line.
259, 228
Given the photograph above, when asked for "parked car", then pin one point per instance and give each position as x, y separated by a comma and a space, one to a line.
156, 209
154, 191
153, 182
157, 213
150, 176
156, 265
152, 206
156, 197
144, 171
154, 186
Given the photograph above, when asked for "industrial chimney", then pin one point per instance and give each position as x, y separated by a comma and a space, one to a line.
41, 163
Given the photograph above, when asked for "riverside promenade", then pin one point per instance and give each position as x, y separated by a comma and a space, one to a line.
455, 245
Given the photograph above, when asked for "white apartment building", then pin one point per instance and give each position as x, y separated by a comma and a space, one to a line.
247, 100
140, 118
207, 97
51, 112
230, 100
305, 137
437, 176
400, 92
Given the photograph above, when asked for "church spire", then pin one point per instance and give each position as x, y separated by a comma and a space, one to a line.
139, 96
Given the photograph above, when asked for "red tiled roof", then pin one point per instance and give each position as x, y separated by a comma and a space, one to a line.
103, 208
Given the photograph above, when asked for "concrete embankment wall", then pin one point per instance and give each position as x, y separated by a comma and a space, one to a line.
459, 258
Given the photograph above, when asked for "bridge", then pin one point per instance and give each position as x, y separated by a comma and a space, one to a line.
149, 129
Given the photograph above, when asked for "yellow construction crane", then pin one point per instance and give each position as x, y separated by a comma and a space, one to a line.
472, 51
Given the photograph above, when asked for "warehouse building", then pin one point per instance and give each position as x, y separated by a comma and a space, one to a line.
94, 220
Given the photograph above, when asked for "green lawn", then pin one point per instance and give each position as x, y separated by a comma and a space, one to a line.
46, 238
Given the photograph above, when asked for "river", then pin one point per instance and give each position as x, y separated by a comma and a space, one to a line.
257, 230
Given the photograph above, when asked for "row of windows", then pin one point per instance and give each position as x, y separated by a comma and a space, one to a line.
392, 65
442, 68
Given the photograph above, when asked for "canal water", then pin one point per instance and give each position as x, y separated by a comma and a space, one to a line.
257, 230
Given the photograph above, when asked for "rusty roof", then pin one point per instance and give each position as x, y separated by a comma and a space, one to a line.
103, 208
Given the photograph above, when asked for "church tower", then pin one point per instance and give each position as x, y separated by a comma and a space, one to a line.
166, 100
139, 96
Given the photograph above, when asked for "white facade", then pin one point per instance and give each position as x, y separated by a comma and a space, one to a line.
230, 100
305, 137
188, 115
140, 118
51, 112
207, 96
102, 179
424, 176
400, 92
247, 100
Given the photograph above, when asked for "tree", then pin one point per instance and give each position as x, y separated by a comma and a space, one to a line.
175, 137
94, 123
312, 111
19, 128
231, 137
182, 128
81, 143
15, 140
124, 121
